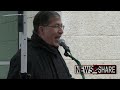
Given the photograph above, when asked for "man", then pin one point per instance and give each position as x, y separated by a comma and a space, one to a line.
44, 61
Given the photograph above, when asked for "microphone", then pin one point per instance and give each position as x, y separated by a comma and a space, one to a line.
62, 43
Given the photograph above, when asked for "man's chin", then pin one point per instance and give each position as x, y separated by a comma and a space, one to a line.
56, 45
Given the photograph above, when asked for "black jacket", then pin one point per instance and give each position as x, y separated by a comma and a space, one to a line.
43, 62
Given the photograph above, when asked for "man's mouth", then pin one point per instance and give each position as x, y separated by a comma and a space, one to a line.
57, 38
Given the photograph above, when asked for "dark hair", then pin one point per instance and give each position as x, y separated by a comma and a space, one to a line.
42, 18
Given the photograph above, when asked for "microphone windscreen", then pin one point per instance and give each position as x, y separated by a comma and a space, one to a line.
61, 41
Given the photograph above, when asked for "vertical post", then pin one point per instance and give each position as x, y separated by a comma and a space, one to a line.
22, 29
22, 24
24, 45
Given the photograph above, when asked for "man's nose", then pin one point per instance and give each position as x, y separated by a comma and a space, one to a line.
60, 31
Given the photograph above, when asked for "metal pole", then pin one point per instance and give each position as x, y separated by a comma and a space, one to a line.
24, 45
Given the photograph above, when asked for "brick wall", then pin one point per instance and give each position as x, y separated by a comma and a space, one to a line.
94, 38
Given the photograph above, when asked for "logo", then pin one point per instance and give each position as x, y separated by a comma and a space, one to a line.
96, 69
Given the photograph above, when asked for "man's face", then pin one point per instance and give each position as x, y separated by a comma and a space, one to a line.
52, 33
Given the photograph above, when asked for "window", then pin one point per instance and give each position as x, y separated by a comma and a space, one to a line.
8, 40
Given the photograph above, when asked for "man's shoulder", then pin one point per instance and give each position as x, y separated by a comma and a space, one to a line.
16, 58
32, 48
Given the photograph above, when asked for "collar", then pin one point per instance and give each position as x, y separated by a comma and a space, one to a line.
38, 42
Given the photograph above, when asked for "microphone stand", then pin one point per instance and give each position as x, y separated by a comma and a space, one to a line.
79, 64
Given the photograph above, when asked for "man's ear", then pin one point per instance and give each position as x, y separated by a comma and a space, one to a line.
40, 30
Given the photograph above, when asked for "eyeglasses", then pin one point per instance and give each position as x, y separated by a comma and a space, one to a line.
57, 26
